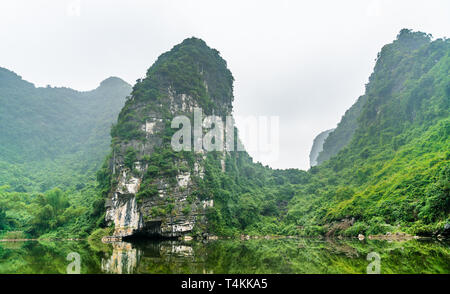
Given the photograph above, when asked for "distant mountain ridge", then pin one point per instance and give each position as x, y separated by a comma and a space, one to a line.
46, 123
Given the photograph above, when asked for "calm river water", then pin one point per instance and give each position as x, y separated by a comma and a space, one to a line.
227, 256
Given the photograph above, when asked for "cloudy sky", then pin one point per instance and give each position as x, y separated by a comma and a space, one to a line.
304, 61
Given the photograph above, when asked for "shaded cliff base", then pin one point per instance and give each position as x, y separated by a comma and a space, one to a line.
344, 229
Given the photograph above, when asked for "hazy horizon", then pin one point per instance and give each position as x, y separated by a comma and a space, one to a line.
306, 62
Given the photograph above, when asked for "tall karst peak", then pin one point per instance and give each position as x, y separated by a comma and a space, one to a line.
194, 69
146, 180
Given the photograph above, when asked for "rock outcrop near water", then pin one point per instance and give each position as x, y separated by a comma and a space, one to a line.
153, 191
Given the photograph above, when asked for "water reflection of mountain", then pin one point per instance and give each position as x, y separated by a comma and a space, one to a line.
299, 255
154, 257
275, 256
123, 259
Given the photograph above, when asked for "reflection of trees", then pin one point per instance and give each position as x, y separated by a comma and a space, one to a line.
326, 256
46, 257
229, 256
278, 256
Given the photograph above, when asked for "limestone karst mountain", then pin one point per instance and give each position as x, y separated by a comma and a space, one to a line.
317, 146
154, 189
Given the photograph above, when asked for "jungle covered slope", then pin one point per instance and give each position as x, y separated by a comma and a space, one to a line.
395, 170
391, 174
53, 140
47, 131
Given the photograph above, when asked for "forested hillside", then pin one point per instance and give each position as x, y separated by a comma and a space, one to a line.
395, 170
52, 138
389, 169
52, 130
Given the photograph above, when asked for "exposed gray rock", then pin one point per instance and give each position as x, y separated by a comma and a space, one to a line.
317, 147
131, 217
166, 203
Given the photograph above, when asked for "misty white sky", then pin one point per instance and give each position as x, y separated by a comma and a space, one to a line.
304, 61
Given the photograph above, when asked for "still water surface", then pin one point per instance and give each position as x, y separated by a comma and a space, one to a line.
227, 256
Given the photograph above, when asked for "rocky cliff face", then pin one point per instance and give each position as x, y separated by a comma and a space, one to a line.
317, 147
152, 190
127, 258
338, 138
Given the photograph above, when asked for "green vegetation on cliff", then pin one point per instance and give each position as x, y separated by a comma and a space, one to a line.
395, 170
247, 196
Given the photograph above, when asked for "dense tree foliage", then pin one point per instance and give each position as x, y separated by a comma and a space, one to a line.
52, 137
394, 170
389, 161
282, 256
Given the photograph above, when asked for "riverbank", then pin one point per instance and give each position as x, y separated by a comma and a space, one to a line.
398, 236
34, 239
